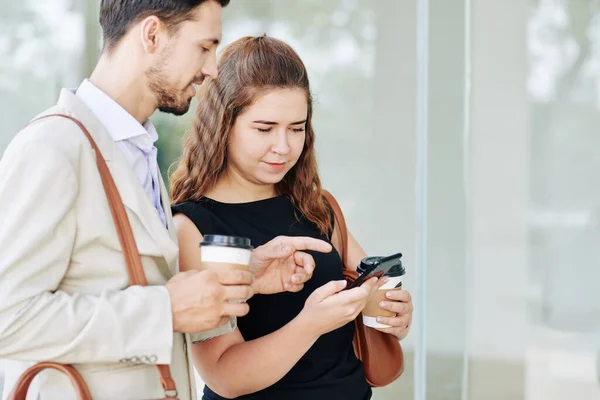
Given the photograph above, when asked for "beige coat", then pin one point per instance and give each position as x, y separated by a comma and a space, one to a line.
64, 292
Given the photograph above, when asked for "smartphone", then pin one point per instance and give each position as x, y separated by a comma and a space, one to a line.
375, 266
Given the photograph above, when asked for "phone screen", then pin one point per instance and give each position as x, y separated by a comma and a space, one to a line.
375, 266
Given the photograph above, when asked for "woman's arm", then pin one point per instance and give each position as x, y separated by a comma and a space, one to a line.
233, 367
257, 364
355, 252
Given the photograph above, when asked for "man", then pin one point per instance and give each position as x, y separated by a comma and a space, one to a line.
64, 288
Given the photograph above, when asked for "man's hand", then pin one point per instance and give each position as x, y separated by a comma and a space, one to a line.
200, 300
280, 265
399, 302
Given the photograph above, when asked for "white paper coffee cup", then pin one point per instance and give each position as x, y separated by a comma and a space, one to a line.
225, 254
373, 310
228, 252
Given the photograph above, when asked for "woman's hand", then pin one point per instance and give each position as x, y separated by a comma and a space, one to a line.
330, 307
400, 303
281, 265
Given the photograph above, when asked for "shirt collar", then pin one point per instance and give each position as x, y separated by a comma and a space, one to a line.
119, 123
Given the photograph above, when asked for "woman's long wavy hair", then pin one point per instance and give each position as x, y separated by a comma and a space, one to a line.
248, 68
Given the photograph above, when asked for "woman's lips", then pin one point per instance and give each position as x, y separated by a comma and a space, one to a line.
276, 166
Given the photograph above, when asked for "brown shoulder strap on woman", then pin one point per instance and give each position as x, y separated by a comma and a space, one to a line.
341, 222
380, 353
135, 270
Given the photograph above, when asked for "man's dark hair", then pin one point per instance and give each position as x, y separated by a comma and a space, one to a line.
117, 16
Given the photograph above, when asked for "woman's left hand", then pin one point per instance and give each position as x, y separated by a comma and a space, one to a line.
399, 302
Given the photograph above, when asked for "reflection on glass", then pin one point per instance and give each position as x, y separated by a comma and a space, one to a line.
565, 204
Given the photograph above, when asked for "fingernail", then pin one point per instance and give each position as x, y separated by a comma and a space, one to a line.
285, 249
383, 304
389, 294
380, 320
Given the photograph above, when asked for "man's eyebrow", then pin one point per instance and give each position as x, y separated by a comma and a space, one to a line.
214, 41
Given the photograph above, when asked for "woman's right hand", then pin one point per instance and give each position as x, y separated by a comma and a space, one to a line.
330, 307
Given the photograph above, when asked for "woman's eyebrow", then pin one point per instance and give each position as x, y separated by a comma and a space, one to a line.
275, 123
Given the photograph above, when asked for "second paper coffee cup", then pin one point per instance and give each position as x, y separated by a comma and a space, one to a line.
372, 310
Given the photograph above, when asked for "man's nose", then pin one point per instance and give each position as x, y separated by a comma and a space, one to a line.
210, 67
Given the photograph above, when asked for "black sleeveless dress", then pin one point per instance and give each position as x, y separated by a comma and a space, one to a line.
330, 369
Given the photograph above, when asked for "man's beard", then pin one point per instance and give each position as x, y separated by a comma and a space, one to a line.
170, 99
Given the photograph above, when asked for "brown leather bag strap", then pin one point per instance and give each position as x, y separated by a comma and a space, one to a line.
341, 222
20, 390
380, 353
135, 270
130, 250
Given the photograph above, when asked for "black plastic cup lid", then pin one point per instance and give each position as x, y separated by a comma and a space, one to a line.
227, 241
367, 263
396, 270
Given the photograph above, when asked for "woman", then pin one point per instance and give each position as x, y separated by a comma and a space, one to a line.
249, 169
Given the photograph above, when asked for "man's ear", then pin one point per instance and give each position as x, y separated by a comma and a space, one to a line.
150, 31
